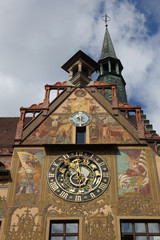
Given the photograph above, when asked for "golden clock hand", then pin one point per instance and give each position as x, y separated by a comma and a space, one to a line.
80, 118
76, 165
78, 178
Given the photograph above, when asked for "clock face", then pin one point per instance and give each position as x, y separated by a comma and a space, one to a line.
80, 119
78, 176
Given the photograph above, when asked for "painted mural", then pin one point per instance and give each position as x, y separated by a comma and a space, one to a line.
29, 171
56, 129
132, 172
105, 129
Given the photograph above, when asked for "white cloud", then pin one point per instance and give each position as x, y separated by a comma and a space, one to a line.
152, 8
37, 37
140, 56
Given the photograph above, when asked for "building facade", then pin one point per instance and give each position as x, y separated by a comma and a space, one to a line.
86, 165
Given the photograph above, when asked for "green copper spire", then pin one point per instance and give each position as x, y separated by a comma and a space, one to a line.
107, 49
111, 68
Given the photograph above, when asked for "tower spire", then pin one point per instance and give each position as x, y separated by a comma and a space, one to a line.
111, 67
107, 48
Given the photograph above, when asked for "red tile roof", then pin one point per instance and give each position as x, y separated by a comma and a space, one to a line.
8, 127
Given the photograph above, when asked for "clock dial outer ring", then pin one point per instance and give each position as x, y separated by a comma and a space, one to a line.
78, 124
57, 188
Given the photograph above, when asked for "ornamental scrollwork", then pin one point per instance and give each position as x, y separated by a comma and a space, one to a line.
61, 207
2, 205
100, 228
137, 204
26, 200
95, 214
25, 228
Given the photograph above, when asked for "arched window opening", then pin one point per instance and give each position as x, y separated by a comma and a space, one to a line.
75, 70
113, 67
105, 68
85, 70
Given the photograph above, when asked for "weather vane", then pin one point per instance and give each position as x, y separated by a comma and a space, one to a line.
106, 19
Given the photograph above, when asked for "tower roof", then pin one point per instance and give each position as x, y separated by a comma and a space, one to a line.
80, 55
107, 49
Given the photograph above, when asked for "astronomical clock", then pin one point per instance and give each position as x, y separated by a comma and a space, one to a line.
78, 176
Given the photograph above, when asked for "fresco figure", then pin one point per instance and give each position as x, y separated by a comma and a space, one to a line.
28, 174
94, 133
27, 182
55, 129
63, 134
135, 177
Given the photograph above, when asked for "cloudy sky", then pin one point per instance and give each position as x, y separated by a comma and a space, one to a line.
37, 37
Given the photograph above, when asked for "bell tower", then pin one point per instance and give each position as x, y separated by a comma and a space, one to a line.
111, 67
80, 68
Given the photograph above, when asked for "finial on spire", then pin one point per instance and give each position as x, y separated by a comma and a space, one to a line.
106, 19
